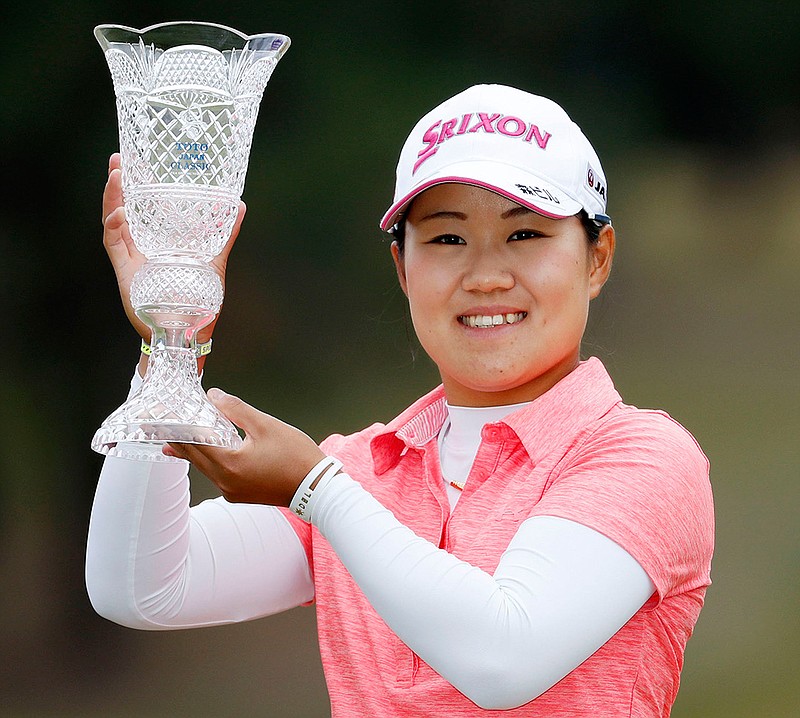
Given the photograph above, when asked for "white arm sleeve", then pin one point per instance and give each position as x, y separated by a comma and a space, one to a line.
560, 591
154, 563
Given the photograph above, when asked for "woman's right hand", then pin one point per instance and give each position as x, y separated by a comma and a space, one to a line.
122, 252
127, 260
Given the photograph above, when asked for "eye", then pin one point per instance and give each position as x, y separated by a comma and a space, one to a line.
525, 234
447, 239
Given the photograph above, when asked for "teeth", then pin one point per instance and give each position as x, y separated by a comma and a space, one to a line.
486, 320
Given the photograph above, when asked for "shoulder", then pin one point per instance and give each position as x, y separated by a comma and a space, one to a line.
628, 431
643, 454
640, 478
641, 448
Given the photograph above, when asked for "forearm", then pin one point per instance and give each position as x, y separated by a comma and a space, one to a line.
155, 563
560, 591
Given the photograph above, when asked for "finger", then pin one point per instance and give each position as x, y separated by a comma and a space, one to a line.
238, 224
117, 239
221, 259
112, 195
114, 231
173, 450
116, 236
189, 452
114, 161
212, 461
242, 414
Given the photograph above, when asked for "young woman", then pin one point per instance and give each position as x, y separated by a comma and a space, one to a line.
519, 538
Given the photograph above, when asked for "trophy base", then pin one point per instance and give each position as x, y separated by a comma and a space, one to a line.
170, 405
110, 435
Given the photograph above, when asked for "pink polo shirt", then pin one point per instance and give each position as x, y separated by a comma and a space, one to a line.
578, 453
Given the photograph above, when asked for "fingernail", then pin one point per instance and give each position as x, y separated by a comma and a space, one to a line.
216, 394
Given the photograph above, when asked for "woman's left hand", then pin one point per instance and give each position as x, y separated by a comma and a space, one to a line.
267, 469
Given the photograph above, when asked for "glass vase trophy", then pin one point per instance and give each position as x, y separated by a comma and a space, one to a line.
188, 95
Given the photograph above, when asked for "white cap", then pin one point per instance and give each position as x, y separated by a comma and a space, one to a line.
522, 146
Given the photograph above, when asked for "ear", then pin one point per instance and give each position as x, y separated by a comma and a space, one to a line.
400, 266
602, 257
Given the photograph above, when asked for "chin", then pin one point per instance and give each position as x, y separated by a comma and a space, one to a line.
492, 386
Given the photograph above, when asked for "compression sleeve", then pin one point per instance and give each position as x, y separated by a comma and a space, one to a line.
560, 591
154, 563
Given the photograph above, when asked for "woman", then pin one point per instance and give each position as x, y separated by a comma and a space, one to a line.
518, 539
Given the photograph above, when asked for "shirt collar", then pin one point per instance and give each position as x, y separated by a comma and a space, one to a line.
584, 395
580, 398
414, 428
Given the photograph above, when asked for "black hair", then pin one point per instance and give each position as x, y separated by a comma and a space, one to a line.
398, 233
592, 227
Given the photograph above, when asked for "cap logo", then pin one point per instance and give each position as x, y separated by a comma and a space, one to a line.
595, 183
489, 123
539, 192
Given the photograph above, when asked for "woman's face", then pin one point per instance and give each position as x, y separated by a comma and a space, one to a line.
499, 295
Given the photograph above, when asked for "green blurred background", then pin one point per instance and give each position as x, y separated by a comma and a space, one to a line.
694, 109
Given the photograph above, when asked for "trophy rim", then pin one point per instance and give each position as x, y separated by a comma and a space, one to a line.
100, 30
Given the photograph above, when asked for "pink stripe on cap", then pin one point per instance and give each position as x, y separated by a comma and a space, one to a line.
391, 217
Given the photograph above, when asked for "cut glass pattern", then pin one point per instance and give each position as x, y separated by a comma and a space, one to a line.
177, 285
188, 96
170, 405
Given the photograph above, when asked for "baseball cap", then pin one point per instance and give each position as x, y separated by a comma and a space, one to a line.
521, 146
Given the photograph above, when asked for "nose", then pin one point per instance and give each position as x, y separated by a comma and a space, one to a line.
488, 272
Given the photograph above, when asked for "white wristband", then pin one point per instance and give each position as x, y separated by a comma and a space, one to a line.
303, 499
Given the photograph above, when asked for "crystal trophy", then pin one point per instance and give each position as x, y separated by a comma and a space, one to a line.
188, 95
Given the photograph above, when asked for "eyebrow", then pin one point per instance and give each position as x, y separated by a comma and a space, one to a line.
452, 214
516, 211
444, 214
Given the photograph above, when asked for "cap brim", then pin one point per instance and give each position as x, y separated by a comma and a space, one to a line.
523, 188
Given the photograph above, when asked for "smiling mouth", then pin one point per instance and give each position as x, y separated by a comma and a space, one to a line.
485, 321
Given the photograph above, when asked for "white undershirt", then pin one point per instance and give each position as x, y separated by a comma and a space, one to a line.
559, 592
459, 439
